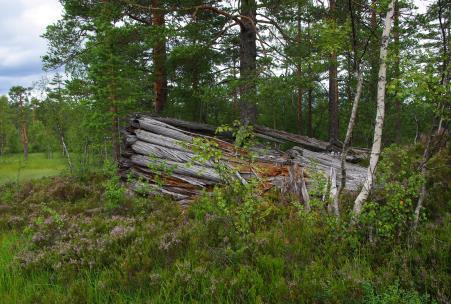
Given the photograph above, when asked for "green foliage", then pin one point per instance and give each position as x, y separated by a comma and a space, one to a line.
394, 294
211, 252
238, 202
206, 150
244, 135
400, 182
114, 190
159, 169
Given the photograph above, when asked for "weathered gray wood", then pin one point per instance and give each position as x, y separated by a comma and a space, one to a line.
194, 126
208, 129
152, 150
324, 161
273, 135
129, 139
151, 189
304, 192
161, 128
165, 145
160, 140
178, 168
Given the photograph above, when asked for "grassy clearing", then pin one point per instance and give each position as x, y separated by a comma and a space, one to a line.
14, 167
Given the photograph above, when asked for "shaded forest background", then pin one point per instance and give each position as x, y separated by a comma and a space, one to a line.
287, 64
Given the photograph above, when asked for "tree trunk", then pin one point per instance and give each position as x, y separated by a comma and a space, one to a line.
427, 154
69, 161
159, 61
444, 30
396, 35
423, 190
25, 142
380, 113
333, 85
248, 63
345, 148
309, 113
299, 74
373, 60
352, 118
299, 106
23, 128
115, 133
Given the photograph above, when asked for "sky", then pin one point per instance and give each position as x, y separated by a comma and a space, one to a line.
22, 22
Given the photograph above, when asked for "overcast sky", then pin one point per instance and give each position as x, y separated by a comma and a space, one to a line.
21, 24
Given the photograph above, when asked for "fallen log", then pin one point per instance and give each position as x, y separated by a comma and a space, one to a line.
277, 136
159, 152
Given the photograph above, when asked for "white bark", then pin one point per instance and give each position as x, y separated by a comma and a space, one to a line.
377, 140
304, 192
334, 191
345, 149
66, 151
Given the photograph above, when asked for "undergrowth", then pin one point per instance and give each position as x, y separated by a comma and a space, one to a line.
69, 241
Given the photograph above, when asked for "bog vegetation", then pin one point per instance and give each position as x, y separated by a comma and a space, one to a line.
370, 74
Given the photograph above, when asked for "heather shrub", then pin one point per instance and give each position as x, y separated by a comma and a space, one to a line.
229, 246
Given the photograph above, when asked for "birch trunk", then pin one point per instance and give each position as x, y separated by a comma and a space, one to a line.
66, 151
345, 149
380, 113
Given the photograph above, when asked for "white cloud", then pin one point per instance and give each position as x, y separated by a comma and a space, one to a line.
22, 22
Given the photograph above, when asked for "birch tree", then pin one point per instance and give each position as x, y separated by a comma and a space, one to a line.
380, 113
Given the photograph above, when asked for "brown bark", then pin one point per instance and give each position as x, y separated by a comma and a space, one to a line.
299, 75
248, 62
23, 127
115, 133
299, 106
333, 99
444, 30
159, 61
24, 137
374, 48
309, 112
333, 86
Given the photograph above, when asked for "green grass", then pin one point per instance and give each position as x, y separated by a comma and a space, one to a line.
15, 286
14, 167
66, 239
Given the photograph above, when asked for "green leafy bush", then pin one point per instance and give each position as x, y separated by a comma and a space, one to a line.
398, 184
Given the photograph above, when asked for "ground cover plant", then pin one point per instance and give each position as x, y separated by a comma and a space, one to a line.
64, 241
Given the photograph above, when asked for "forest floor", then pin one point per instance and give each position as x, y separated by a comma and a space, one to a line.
83, 240
14, 168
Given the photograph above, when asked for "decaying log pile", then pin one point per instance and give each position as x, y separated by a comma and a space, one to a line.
158, 157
